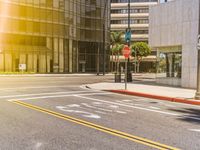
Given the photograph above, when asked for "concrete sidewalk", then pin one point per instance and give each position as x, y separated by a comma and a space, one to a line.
51, 75
174, 94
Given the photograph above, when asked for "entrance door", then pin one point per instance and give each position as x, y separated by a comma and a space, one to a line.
82, 66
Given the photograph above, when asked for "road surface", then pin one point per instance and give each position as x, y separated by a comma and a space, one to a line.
59, 113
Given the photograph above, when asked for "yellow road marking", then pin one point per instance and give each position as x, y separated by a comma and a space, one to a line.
98, 127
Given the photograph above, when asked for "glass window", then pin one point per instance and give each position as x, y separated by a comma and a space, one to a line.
170, 64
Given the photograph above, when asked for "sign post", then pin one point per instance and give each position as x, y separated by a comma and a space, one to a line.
126, 53
22, 67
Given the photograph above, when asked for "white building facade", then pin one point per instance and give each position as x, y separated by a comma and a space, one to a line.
173, 32
139, 17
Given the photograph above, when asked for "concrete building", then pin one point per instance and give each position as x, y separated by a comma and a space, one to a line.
139, 22
173, 34
52, 35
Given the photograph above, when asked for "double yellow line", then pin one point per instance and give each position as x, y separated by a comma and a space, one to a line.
98, 127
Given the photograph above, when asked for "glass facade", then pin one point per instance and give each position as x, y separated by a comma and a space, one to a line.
53, 35
169, 63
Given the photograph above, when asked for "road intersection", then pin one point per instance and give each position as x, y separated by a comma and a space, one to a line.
65, 115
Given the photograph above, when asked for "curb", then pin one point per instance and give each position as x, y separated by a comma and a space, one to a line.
164, 98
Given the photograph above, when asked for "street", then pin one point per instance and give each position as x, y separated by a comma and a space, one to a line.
60, 113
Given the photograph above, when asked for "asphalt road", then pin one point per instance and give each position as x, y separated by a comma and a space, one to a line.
59, 113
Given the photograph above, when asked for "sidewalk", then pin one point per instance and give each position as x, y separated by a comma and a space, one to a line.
174, 94
50, 75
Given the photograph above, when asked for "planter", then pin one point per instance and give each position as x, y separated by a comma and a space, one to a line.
129, 77
117, 78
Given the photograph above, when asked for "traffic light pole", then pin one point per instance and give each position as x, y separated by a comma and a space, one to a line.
129, 74
125, 74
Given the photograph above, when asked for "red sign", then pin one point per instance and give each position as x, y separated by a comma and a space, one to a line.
126, 51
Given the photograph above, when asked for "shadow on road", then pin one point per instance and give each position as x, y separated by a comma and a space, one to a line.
189, 115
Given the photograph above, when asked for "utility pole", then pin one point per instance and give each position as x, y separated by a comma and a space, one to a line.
197, 96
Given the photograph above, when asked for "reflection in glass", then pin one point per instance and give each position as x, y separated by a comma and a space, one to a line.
170, 64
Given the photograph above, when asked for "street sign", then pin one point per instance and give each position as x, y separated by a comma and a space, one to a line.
126, 51
198, 44
22, 67
128, 35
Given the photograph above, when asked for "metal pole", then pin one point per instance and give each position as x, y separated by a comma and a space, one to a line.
104, 50
98, 59
126, 74
129, 16
197, 96
135, 62
129, 75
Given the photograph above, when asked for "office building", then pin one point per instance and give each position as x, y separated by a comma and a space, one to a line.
59, 36
139, 17
173, 33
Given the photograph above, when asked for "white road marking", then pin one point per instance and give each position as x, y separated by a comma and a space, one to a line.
114, 106
73, 105
57, 96
121, 112
83, 113
127, 100
97, 103
195, 130
36, 87
114, 103
100, 112
156, 108
37, 94
93, 107
139, 105
38, 145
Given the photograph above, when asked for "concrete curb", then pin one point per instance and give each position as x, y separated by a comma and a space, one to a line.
165, 98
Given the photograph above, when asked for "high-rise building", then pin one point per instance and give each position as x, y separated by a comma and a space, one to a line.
53, 35
139, 17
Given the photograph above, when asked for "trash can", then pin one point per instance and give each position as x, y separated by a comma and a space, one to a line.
129, 77
117, 77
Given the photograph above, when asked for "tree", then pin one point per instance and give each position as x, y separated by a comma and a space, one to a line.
140, 50
116, 47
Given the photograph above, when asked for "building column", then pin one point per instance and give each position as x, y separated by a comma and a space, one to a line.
42, 63
2, 63
30, 63
61, 56
70, 56
8, 62
35, 63
55, 55
48, 63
